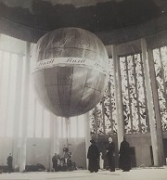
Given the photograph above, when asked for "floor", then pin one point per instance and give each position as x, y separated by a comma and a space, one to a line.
135, 174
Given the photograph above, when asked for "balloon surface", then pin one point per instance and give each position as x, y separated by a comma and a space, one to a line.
70, 71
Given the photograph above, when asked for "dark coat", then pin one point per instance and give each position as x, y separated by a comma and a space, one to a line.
111, 155
124, 160
93, 156
9, 163
9, 160
54, 161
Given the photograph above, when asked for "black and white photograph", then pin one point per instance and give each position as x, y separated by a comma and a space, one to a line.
83, 89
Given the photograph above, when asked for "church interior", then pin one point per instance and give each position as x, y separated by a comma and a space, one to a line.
72, 71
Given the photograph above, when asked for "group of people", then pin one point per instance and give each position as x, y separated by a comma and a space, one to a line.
124, 156
93, 156
63, 163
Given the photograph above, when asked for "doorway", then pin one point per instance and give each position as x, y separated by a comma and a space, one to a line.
133, 156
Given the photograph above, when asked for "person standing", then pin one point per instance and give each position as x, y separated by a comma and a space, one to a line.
101, 161
111, 154
55, 161
124, 159
10, 163
93, 157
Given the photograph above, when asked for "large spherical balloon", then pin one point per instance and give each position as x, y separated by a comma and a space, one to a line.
70, 72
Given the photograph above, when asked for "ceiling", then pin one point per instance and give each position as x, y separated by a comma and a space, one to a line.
98, 16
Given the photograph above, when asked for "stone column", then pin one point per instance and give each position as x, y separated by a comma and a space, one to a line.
35, 113
156, 108
70, 124
77, 124
52, 144
8, 95
34, 130
22, 153
87, 135
152, 104
56, 134
67, 121
118, 95
54, 140
42, 129
62, 127
17, 107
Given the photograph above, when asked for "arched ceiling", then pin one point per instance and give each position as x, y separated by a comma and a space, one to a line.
98, 16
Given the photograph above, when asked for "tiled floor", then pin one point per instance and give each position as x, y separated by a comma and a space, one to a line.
135, 174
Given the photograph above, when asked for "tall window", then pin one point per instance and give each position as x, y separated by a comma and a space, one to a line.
12, 61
